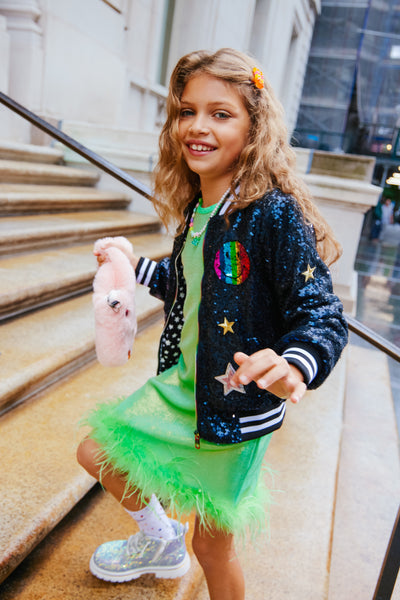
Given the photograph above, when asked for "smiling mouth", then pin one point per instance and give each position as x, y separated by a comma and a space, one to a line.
200, 148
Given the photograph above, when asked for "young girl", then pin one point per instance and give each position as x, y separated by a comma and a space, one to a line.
251, 321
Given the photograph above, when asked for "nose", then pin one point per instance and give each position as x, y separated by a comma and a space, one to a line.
199, 125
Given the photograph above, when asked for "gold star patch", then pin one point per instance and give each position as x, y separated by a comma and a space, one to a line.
309, 274
227, 325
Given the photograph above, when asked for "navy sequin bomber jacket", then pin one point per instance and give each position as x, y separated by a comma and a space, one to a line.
264, 280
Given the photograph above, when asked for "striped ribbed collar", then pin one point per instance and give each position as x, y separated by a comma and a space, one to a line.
224, 207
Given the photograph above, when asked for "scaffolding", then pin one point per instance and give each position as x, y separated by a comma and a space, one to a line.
351, 94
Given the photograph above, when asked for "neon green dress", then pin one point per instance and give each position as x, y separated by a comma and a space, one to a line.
149, 436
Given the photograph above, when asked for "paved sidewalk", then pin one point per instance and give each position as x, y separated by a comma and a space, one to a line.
368, 486
378, 302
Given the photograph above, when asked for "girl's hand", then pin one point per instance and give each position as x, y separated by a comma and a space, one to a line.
270, 372
117, 242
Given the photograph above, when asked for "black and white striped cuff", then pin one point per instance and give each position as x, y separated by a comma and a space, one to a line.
144, 270
303, 360
261, 424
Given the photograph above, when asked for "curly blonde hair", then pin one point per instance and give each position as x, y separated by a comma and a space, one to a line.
266, 162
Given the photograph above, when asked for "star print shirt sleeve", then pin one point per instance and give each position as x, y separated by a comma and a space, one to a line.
314, 330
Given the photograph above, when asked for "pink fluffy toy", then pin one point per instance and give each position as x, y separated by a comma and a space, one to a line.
114, 301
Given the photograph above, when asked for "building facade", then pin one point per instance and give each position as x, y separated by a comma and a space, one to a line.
350, 100
100, 68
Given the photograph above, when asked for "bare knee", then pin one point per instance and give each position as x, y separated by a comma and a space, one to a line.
212, 548
88, 456
199, 545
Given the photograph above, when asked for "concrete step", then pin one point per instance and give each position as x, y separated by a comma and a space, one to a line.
34, 280
128, 149
66, 334
368, 486
40, 482
24, 198
10, 150
28, 172
58, 567
19, 234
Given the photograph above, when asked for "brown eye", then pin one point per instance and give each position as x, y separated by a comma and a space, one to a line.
221, 115
185, 112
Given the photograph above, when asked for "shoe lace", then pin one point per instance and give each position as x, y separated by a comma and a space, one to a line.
137, 543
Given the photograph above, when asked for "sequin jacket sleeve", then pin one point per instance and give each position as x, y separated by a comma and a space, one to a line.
154, 275
310, 314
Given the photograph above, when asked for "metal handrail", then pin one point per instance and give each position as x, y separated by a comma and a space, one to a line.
390, 566
373, 338
391, 563
71, 143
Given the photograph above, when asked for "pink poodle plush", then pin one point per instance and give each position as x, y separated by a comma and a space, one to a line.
114, 301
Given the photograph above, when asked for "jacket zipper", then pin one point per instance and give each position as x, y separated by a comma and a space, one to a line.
197, 440
196, 433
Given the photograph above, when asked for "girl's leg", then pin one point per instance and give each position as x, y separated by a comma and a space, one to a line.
162, 553
149, 516
216, 554
88, 457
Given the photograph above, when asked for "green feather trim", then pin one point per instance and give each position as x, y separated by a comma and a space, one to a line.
132, 457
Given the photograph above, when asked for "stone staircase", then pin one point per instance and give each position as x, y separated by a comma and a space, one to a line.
49, 377
334, 466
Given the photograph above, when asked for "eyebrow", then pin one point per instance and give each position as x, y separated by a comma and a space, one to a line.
215, 103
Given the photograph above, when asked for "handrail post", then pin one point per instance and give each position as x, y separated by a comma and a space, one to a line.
391, 564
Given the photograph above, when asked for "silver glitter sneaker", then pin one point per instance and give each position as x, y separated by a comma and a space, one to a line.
123, 560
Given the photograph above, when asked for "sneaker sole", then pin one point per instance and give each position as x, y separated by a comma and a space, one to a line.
159, 572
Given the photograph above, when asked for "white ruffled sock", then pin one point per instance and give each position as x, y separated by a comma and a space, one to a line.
152, 520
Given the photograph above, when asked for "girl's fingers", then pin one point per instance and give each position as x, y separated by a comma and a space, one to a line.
264, 367
298, 392
100, 259
240, 357
276, 373
271, 372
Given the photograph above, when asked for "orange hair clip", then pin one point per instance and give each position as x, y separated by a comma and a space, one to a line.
258, 78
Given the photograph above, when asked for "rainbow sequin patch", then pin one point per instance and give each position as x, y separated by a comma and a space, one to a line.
232, 263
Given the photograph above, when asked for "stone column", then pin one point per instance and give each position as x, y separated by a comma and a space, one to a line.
5, 55
4, 75
210, 24
25, 57
341, 188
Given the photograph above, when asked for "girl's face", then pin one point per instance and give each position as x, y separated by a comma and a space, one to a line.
213, 128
